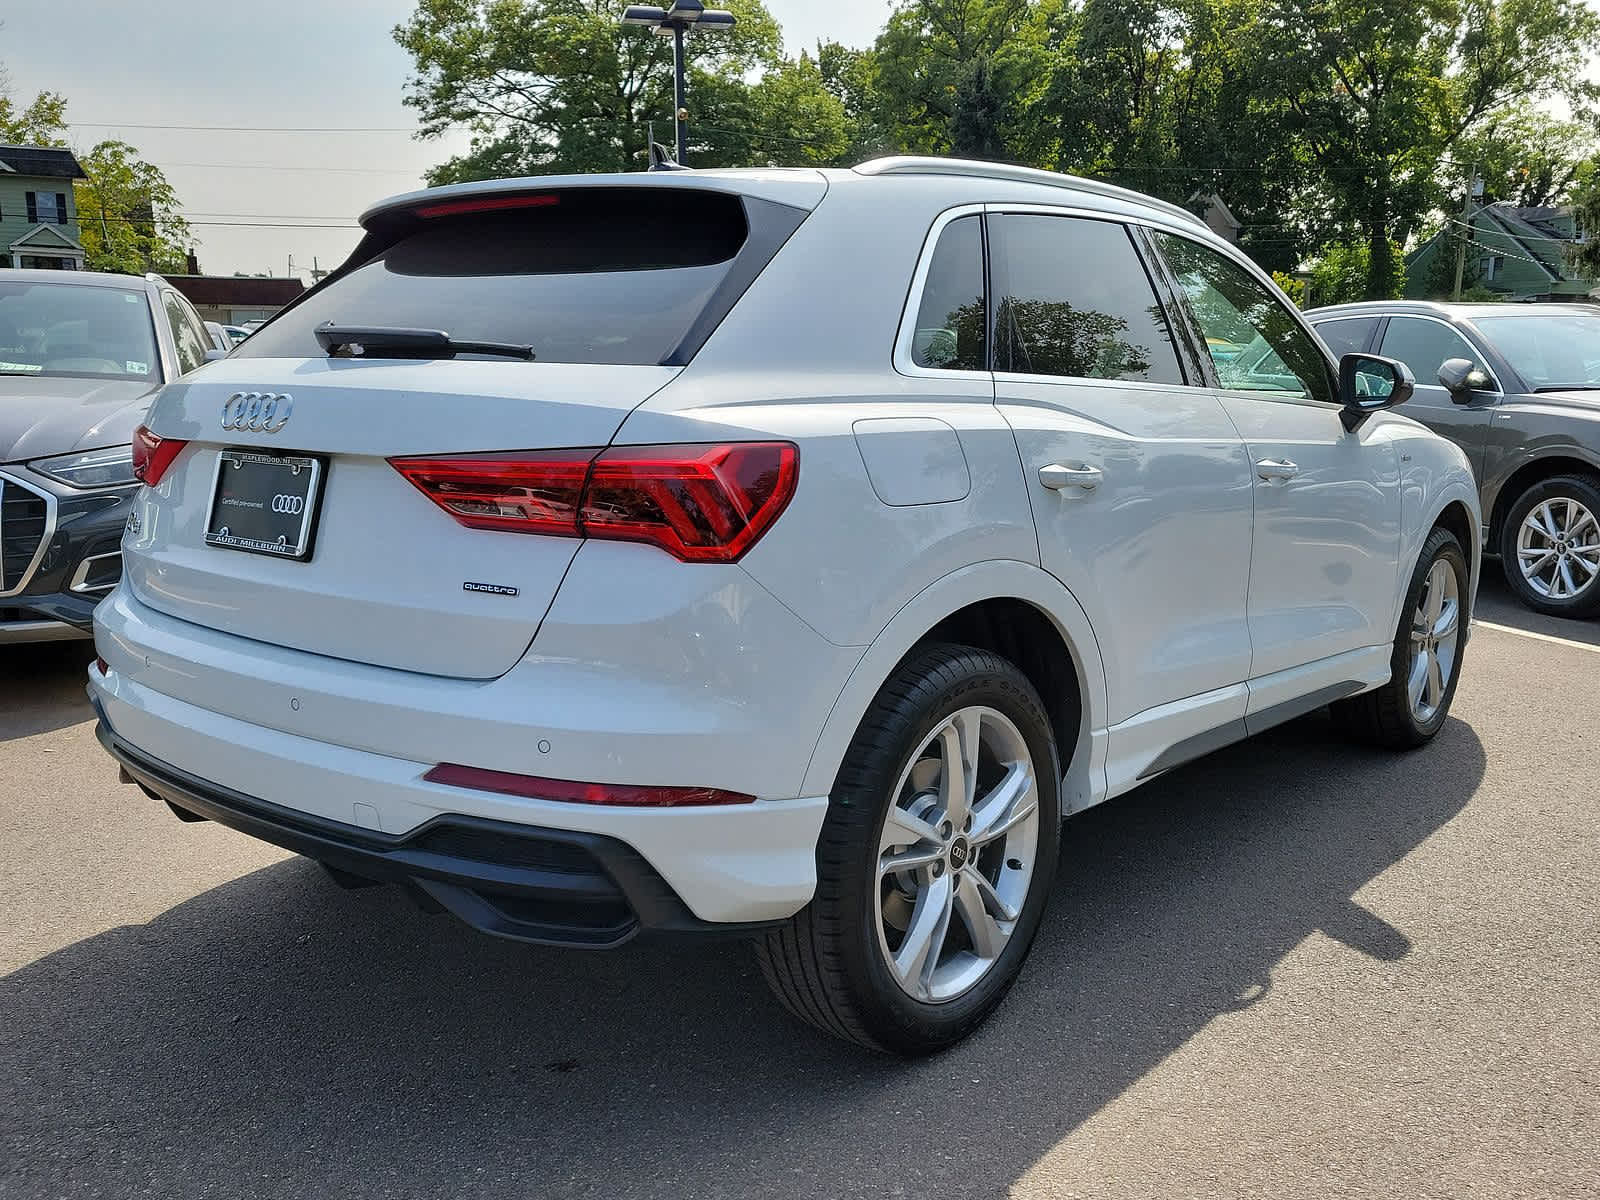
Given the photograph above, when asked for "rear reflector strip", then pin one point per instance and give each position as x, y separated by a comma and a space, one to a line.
699, 503
508, 783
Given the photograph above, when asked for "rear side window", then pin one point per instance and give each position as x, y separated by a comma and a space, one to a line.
617, 276
952, 322
1075, 301
1347, 335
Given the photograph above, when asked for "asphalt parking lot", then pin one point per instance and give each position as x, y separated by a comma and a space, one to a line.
1295, 968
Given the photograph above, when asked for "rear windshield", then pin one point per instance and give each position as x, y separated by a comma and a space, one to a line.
589, 276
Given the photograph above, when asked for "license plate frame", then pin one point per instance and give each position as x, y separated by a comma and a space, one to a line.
276, 532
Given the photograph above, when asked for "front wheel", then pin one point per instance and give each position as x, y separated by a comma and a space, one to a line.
935, 860
1411, 708
1550, 547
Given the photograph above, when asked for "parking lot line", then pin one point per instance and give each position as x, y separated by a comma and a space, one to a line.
1538, 637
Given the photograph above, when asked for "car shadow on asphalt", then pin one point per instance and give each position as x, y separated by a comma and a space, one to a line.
42, 687
1498, 604
276, 1035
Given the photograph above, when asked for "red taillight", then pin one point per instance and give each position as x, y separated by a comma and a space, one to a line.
509, 783
152, 455
700, 503
533, 492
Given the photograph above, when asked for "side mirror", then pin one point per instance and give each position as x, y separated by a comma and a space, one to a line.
213, 354
1368, 383
1461, 377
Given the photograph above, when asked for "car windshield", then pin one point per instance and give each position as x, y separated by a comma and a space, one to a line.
76, 330
1550, 351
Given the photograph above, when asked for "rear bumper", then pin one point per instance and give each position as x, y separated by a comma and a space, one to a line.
726, 864
550, 886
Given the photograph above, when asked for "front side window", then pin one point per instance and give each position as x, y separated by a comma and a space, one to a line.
1074, 300
1255, 344
187, 340
1551, 351
76, 330
952, 322
1424, 346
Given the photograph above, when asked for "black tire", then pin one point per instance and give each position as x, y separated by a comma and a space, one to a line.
1583, 489
826, 964
1384, 717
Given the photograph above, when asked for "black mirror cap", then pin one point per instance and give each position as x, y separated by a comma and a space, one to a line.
1358, 407
1461, 377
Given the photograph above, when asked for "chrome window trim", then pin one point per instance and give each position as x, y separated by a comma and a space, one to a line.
906, 334
81, 575
44, 541
1478, 355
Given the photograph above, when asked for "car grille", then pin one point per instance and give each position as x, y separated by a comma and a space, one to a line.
24, 524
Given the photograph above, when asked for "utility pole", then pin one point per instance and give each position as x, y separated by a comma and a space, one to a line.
1464, 234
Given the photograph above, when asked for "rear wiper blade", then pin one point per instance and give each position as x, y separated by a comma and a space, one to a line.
360, 340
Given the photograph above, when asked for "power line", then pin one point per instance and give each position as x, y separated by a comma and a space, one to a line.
318, 170
250, 128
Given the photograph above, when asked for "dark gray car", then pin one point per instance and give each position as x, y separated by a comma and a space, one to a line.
81, 355
1518, 388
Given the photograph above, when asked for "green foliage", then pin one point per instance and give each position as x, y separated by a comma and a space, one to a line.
1524, 155
1291, 287
1337, 123
565, 87
1585, 257
129, 214
42, 122
1344, 274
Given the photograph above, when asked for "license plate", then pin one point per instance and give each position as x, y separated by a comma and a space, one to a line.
265, 503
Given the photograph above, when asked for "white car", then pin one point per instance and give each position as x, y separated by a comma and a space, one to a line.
776, 552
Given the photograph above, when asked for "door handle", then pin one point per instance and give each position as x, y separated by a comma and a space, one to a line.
1276, 468
1055, 477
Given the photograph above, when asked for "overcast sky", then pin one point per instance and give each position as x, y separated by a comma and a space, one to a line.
281, 63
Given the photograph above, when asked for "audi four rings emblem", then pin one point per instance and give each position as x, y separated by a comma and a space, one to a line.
288, 504
257, 412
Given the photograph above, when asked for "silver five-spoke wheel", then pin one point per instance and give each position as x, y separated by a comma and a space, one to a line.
1558, 548
957, 853
1435, 635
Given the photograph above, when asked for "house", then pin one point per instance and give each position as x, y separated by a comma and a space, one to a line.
38, 214
236, 299
1517, 253
1219, 218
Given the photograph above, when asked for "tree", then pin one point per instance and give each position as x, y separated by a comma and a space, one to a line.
41, 122
1524, 155
980, 114
927, 53
1381, 90
550, 88
129, 214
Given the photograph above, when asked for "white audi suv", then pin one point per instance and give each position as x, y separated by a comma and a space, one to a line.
784, 553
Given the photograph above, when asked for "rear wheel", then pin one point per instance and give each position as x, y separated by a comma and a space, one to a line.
935, 860
1412, 707
1550, 546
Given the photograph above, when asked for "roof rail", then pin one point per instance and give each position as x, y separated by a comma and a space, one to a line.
972, 168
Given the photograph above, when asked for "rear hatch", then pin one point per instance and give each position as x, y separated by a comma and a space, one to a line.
613, 288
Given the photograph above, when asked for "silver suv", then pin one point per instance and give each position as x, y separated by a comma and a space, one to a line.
1517, 388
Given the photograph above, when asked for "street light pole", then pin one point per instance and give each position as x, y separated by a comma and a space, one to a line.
676, 22
680, 111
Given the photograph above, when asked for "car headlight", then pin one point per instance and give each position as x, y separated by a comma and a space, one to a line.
111, 467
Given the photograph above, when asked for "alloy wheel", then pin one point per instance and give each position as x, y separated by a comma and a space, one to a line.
1435, 637
956, 854
1558, 548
